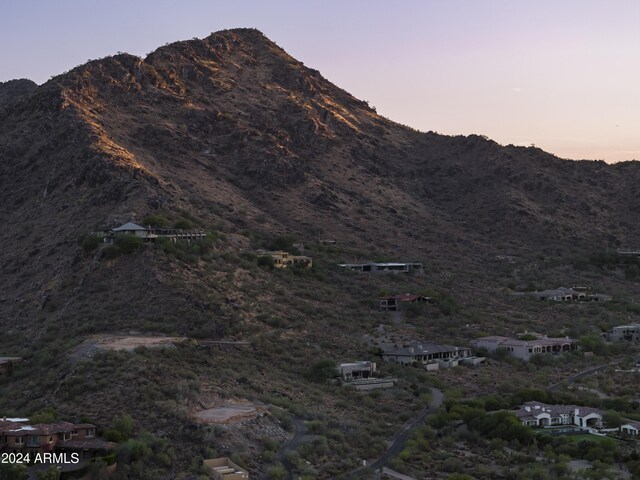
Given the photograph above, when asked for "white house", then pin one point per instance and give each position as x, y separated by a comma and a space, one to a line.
630, 428
543, 415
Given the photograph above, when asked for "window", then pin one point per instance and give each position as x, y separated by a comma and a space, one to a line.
19, 440
91, 432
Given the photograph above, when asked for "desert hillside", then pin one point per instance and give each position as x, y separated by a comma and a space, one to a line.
231, 136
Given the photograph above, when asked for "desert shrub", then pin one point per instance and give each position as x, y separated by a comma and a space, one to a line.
90, 242
183, 224
322, 371
13, 471
277, 472
157, 221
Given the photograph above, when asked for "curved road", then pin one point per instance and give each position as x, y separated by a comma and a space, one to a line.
400, 439
569, 380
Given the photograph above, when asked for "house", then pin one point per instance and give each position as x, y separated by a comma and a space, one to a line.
286, 260
223, 468
382, 267
7, 363
542, 415
356, 370
624, 333
360, 375
562, 294
148, 235
328, 241
599, 297
393, 303
431, 355
630, 428
17, 435
525, 349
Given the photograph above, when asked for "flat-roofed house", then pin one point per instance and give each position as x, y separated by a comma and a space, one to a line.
440, 356
223, 468
525, 349
624, 333
382, 267
393, 303
356, 370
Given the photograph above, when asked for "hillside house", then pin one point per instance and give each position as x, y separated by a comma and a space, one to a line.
223, 468
382, 267
361, 376
356, 370
393, 303
283, 259
431, 355
562, 294
7, 363
525, 349
149, 235
631, 428
624, 333
542, 415
17, 435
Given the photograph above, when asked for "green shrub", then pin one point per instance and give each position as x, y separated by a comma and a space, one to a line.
183, 224
90, 242
322, 371
157, 221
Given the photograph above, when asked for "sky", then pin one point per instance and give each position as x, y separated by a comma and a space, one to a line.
563, 74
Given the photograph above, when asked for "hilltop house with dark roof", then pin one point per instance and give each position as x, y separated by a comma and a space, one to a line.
148, 234
382, 267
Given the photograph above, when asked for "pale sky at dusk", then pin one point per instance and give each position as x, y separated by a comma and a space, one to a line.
563, 74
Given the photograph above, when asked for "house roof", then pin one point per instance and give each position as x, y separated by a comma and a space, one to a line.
514, 342
406, 297
87, 444
560, 291
128, 227
531, 410
20, 428
423, 349
632, 423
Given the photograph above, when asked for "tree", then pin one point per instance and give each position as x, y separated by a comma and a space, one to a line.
322, 371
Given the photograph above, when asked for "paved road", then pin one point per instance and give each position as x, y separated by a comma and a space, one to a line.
569, 380
299, 435
400, 439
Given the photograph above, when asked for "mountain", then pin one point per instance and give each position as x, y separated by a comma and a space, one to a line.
234, 136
